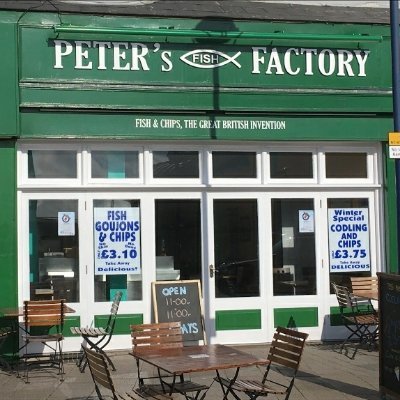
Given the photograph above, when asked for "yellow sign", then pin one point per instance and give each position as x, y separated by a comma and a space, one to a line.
394, 138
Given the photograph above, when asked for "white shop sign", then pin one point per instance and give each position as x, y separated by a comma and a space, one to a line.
117, 241
349, 239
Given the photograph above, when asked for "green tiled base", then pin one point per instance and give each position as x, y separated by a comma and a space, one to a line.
122, 323
237, 319
70, 322
296, 317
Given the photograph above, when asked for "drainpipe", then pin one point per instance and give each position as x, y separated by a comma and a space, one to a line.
394, 26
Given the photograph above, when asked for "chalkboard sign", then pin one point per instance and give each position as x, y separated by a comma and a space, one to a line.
175, 301
389, 334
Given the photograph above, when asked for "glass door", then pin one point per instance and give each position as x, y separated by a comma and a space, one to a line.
233, 275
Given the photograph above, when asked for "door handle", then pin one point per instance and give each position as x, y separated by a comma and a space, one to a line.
212, 270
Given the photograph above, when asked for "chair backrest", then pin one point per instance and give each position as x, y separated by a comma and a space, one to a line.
287, 348
364, 283
152, 336
44, 313
113, 313
99, 371
343, 296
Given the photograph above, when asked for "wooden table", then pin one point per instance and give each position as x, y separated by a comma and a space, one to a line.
192, 359
13, 313
9, 312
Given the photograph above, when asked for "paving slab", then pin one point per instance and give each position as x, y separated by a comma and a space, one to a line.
325, 374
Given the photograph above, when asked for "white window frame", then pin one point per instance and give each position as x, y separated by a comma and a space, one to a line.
112, 147
295, 148
371, 152
148, 162
234, 181
22, 160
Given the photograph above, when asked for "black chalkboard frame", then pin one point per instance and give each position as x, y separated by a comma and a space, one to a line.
387, 283
198, 299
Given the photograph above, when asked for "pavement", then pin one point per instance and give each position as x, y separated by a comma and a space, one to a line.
325, 374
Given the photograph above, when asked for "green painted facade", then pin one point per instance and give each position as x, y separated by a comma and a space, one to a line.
142, 80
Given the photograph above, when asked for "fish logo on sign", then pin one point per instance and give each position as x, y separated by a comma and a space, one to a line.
209, 59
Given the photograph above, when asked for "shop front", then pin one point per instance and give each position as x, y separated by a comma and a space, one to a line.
249, 155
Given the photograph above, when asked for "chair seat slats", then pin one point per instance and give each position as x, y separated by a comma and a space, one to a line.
257, 387
93, 332
149, 393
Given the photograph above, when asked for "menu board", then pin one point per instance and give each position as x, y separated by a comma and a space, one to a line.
389, 334
175, 301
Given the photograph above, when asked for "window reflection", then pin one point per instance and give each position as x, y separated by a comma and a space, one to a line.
54, 254
115, 164
52, 164
291, 165
293, 239
175, 164
178, 239
234, 164
236, 248
346, 165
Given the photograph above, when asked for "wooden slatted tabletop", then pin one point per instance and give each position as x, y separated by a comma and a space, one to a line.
189, 359
19, 311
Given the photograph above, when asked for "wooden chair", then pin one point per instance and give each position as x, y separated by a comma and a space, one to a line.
286, 351
153, 337
98, 337
39, 317
362, 284
102, 378
358, 317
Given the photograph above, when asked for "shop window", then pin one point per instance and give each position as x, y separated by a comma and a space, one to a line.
346, 165
178, 239
234, 164
291, 165
115, 164
293, 247
175, 164
52, 164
